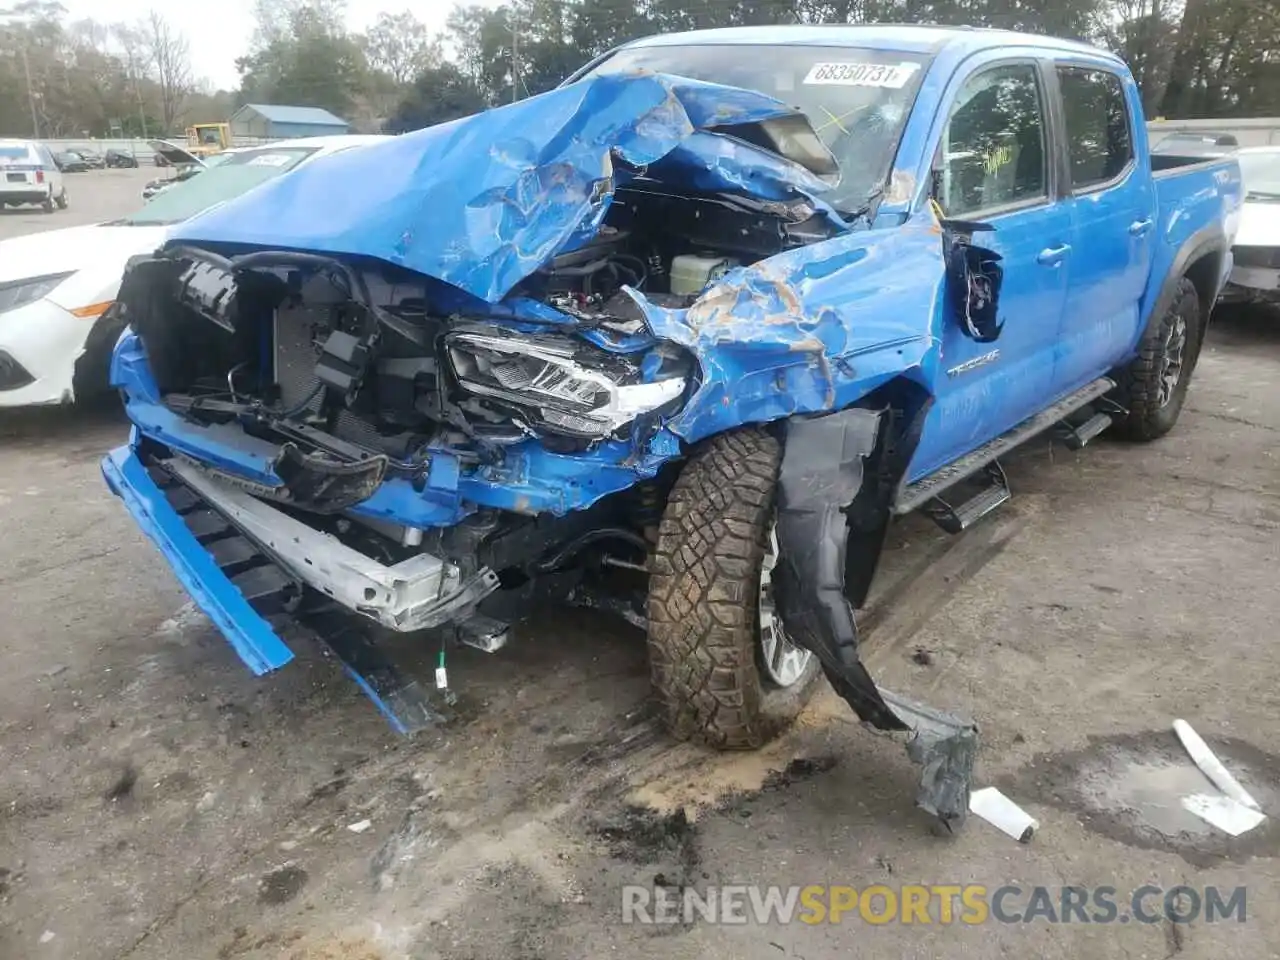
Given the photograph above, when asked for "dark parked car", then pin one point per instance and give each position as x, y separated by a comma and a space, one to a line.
118, 158
70, 162
91, 157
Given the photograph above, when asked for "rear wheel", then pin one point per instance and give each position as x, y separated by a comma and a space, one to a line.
1153, 387
48, 205
61, 199
720, 660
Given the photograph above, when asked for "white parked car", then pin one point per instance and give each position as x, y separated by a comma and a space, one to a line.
56, 286
1256, 274
29, 174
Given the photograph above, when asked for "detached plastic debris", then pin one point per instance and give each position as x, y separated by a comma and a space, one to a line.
1234, 811
1223, 812
1003, 814
360, 826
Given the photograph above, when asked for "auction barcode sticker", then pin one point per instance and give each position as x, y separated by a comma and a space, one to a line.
892, 75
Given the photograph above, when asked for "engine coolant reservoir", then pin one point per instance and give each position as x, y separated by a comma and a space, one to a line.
691, 273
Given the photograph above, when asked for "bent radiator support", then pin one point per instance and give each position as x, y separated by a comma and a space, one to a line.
829, 471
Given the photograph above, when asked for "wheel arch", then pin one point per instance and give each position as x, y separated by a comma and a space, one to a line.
1201, 260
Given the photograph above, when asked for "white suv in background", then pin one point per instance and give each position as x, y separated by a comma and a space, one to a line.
29, 174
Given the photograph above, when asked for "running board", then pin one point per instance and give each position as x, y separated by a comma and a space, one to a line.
1076, 437
957, 519
914, 495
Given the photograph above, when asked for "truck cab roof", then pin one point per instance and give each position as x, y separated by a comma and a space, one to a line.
906, 37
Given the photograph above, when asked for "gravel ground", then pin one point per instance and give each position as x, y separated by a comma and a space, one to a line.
93, 196
157, 801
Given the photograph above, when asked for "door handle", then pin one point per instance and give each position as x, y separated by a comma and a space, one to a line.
1052, 256
1140, 227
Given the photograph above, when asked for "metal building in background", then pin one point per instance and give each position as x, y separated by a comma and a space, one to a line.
276, 122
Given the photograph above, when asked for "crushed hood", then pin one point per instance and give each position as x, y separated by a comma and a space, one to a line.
482, 202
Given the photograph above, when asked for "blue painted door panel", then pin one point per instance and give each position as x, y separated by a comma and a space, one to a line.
983, 389
1114, 226
994, 149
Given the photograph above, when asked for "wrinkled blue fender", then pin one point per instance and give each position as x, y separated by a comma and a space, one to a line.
812, 330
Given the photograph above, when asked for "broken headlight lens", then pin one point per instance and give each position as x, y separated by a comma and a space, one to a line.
19, 293
564, 384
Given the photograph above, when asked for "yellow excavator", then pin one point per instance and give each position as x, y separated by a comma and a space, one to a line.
206, 139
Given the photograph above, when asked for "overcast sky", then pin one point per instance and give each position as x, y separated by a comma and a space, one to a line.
220, 30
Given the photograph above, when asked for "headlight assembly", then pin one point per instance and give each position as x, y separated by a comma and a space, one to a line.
19, 293
563, 384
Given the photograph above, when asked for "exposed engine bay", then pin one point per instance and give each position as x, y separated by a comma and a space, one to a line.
358, 371
363, 353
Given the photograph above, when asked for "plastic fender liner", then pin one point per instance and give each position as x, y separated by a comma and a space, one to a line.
824, 471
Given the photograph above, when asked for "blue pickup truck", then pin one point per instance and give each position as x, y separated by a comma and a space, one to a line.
678, 339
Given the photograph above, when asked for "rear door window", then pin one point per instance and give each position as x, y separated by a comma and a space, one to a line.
1098, 125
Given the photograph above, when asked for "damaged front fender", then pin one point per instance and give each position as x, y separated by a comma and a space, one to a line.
833, 490
813, 329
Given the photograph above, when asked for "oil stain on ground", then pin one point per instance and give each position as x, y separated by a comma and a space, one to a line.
281, 885
1129, 788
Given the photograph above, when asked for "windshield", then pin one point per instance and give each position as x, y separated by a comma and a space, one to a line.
238, 174
1261, 173
856, 99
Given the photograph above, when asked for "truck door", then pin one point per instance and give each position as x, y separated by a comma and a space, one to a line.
993, 164
1113, 221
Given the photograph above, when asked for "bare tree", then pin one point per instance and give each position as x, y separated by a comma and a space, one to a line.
170, 60
135, 60
398, 44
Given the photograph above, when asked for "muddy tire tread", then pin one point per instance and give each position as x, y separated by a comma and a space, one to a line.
704, 595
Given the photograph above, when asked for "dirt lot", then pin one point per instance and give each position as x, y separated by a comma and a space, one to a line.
93, 196
157, 801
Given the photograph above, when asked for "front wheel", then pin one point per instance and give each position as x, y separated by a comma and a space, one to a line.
1153, 387
720, 660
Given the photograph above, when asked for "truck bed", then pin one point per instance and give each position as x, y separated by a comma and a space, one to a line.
1194, 197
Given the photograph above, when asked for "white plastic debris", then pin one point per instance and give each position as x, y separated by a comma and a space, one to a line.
360, 826
47, 936
1003, 814
1211, 766
1223, 812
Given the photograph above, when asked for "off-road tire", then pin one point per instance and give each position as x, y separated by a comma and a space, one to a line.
1139, 384
704, 596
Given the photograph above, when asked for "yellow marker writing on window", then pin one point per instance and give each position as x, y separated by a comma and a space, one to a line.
996, 157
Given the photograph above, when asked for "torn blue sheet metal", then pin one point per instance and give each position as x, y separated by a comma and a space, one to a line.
247, 632
482, 202
810, 330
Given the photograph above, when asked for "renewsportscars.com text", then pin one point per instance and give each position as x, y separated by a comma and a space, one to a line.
970, 904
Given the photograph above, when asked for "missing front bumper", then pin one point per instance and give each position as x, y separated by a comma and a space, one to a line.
415, 594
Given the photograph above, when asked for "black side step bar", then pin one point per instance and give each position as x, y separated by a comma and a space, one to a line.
958, 518
914, 495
